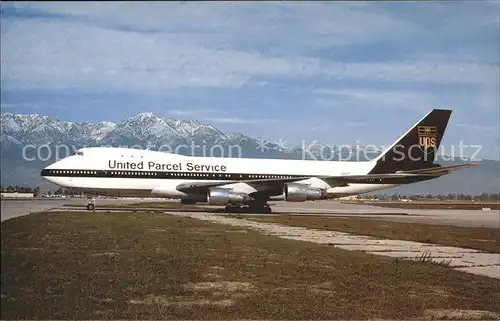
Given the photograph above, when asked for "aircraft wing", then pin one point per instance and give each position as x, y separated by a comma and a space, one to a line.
200, 187
276, 183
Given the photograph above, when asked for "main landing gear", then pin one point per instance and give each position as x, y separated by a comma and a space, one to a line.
252, 208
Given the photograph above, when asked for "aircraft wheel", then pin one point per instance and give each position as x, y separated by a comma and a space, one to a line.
90, 207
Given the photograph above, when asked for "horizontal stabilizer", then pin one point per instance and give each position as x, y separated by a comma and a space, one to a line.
439, 169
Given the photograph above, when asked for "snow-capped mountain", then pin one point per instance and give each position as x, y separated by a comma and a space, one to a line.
145, 130
143, 127
37, 129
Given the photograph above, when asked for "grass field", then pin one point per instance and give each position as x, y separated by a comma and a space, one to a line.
429, 205
480, 238
154, 266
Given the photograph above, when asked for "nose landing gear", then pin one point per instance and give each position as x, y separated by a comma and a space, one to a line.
90, 204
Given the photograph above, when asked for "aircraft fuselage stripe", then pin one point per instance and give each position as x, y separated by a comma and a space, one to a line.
90, 173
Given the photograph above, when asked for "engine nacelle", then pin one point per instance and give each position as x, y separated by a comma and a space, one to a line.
222, 196
301, 193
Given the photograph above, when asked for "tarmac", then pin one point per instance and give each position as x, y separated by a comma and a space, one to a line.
468, 260
470, 218
14, 207
473, 218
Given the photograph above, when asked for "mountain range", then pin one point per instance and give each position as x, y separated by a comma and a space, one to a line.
30, 142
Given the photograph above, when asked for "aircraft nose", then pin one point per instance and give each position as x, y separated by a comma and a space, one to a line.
48, 173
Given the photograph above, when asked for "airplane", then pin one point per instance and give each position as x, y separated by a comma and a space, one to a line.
250, 183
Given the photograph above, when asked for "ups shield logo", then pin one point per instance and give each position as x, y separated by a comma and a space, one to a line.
427, 137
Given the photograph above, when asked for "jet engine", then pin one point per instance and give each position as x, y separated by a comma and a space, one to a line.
300, 193
223, 196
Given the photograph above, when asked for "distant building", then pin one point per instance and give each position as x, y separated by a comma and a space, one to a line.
17, 195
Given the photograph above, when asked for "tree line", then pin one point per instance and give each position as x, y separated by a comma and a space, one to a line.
20, 189
36, 190
441, 197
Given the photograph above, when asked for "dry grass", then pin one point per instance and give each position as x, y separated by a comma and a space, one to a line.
431, 204
480, 238
157, 266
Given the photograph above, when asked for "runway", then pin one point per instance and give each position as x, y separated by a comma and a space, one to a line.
11, 208
472, 218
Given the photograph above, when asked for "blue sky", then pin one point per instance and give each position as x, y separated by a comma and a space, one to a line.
336, 72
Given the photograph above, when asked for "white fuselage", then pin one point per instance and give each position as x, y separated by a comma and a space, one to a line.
134, 172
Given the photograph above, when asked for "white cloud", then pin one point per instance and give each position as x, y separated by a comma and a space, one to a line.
207, 45
193, 112
353, 124
4, 105
478, 127
23, 105
370, 98
328, 127
238, 120
420, 72
326, 23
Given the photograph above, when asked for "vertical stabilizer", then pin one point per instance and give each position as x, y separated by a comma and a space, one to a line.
417, 148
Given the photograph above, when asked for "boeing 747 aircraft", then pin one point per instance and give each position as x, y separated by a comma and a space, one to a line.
237, 182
